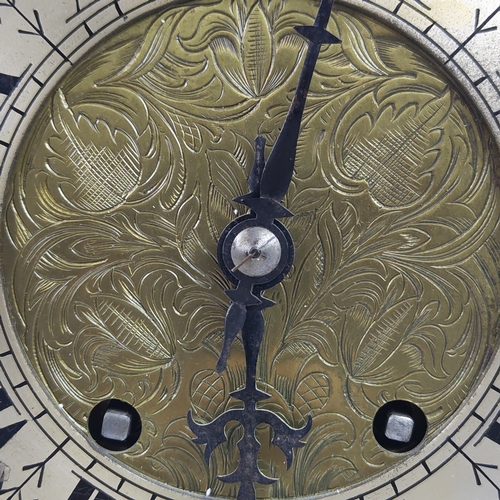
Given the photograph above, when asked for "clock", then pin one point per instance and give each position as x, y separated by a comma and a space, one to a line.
249, 249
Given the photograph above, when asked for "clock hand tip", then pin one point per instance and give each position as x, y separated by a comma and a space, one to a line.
221, 365
235, 319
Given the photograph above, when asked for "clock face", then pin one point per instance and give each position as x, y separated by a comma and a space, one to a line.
127, 130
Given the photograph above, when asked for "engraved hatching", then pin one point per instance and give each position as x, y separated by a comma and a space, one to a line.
313, 393
390, 173
103, 177
381, 339
385, 300
255, 39
208, 392
132, 331
391, 162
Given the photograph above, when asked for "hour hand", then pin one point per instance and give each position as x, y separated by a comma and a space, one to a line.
236, 315
235, 319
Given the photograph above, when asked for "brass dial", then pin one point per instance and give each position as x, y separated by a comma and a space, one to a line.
125, 180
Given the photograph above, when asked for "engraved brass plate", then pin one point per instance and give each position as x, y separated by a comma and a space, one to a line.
126, 180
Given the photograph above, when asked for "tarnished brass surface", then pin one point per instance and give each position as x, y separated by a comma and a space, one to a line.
126, 180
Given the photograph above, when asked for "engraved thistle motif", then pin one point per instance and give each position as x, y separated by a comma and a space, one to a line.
125, 183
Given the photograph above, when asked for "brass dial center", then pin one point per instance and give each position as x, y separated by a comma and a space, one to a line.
125, 181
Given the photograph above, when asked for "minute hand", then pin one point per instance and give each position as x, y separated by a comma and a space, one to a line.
278, 170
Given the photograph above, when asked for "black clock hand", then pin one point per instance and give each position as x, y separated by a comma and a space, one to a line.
269, 181
286, 438
255, 252
279, 167
258, 166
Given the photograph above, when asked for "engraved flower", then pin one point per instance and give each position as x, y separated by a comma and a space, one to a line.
208, 394
104, 152
122, 341
122, 336
371, 342
255, 49
101, 167
393, 146
124, 332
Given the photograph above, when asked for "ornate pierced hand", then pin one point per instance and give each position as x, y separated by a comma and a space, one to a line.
256, 252
258, 236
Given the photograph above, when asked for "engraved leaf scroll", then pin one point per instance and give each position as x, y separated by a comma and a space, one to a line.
253, 54
127, 178
402, 145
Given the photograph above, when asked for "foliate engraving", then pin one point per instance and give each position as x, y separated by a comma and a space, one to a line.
208, 394
119, 174
127, 178
255, 49
400, 145
97, 165
313, 394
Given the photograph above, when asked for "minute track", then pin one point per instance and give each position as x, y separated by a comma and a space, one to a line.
401, 11
440, 37
85, 491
